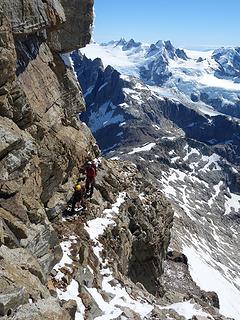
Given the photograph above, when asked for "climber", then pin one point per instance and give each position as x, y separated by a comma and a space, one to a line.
78, 199
91, 172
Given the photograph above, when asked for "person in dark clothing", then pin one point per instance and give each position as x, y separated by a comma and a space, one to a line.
91, 172
78, 197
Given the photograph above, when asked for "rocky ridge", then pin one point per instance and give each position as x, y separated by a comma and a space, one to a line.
186, 154
119, 272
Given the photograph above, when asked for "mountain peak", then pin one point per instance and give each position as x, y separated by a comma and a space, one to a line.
121, 42
131, 44
159, 43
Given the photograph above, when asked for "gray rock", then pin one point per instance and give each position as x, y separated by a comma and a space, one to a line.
92, 308
71, 308
37, 14
7, 237
47, 309
9, 301
25, 261
44, 245
80, 30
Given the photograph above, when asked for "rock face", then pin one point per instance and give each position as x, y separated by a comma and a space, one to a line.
228, 60
30, 16
42, 145
79, 18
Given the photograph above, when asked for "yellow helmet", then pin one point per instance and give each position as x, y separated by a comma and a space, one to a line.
78, 187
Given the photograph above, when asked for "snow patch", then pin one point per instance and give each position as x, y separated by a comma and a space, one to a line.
232, 203
72, 292
187, 309
104, 116
146, 147
119, 295
200, 269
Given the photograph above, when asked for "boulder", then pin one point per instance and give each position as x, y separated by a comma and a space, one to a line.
43, 243
26, 261
25, 273
9, 301
71, 307
177, 257
7, 237
17, 227
211, 298
47, 309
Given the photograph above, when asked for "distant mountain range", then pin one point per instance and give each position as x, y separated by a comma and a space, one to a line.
175, 114
210, 77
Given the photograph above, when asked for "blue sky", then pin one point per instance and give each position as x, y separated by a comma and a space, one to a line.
187, 23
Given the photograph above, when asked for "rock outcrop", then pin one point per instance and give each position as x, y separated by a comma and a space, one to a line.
76, 31
42, 146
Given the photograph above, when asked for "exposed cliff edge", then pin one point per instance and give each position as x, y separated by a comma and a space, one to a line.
42, 145
110, 261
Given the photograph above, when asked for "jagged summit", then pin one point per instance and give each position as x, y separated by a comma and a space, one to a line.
229, 63
126, 45
159, 47
210, 78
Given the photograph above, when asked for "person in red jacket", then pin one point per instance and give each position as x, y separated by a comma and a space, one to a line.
91, 172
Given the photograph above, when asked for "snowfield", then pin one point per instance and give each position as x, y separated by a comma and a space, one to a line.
195, 73
200, 268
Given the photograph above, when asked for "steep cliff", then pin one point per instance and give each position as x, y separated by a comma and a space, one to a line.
43, 146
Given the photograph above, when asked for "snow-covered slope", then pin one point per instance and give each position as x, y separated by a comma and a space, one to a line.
157, 106
210, 77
